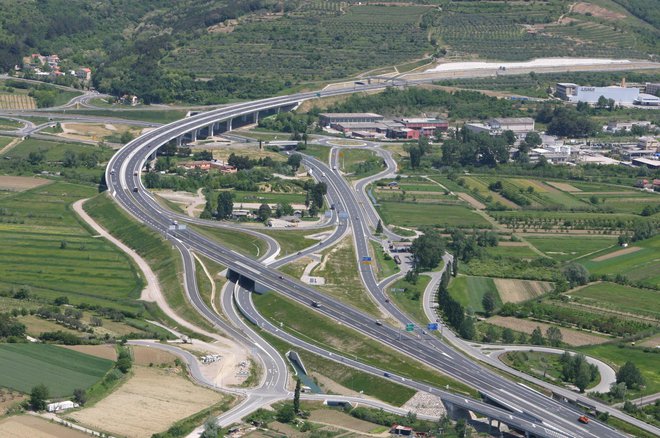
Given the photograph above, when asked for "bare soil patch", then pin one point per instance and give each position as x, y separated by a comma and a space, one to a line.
470, 200
105, 351
571, 337
21, 183
34, 427
337, 418
148, 356
618, 253
92, 131
653, 342
564, 187
512, 244
597, 11
515, 291
150, 401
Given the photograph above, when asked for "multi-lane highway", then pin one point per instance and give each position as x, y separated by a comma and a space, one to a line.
549, 417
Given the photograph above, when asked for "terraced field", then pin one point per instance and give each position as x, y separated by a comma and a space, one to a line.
17, 101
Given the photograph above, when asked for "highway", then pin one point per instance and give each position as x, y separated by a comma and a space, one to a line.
123, 177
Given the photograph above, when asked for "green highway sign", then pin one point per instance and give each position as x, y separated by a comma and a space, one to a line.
410, 327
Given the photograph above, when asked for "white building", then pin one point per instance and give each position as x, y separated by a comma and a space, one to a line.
61, 406
520, 126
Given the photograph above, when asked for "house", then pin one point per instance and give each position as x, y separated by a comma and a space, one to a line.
84, 73
196, 165
401, 430
241, 213
223, 167
61, 406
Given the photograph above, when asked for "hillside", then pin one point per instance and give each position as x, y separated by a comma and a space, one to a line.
210, 51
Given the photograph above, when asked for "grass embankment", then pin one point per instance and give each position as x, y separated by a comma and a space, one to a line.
342, 280
314, 328
293, 241
45, 247
348, 377
61, 370
384, 267
360, 163
319, 152
184, 427
243, 243
545, 366
470, 291
410, 299
161, 256
204, 283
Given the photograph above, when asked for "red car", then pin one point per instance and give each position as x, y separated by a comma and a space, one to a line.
584, 419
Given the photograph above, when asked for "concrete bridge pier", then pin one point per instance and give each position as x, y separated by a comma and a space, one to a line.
179, 141
210, 129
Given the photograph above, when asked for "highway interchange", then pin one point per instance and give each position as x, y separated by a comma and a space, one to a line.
529, 410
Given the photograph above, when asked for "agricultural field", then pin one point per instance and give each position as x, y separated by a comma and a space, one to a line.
152, 399
570, 336
565, 248
46, 249
520, 251
17, 101
639, 265
470, 291
512, 290
410, 214
54, 151
60, 369
267, 197
32, 426
20, 183
621, 298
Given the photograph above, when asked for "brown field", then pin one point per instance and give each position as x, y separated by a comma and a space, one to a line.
618, 253
94, 131
337, 418
150, 401
571, 337
653, 342
470, 200
34, 427
21, 183
17, 101
146, 356
36, 326
506, 243
563, 186
8, 398
105, 351
597, 11
515, 291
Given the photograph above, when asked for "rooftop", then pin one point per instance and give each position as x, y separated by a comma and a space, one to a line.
520, 120
350, 115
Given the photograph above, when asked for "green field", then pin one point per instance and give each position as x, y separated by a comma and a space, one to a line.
564, 248
511, 251
267, 197
411, 299
61, 370
46, 248
410, 214
317, 151
642, 265
360, 163
292, 241
314, 328
618, 297
617, 355
242, 242
54, 151
385, 268
470, 291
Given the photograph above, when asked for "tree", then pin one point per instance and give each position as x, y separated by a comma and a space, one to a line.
225, 205
294, 161
508, 337
285, 414
415, 155
36, 157
576, 274
428, 250
38, 397
211, 429
379, 227
264, 212
583, 376
618, 390
296, 397
61, 300
460, 428
533, 139
283, 209
80, 396
126, 137
318, 191
630, 375
537, 336
488, 302
554, 336
70, 159
467, 330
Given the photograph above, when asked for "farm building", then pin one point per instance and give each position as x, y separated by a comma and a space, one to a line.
61, 406
328, 119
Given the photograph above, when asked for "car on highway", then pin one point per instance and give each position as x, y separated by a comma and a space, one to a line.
386, 374
379, 322
135, 173
135, 189
112, 171
583, 419
316, 304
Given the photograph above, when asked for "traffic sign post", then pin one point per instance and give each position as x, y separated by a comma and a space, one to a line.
410, 327
432, 326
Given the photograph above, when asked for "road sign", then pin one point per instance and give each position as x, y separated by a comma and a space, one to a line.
410, 327
343, 215
397, 289
432, 326
366, 259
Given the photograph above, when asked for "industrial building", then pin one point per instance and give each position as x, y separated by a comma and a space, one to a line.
519, 125
621, 95
328, 119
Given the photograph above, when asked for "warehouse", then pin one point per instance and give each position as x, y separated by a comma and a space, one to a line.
328, 119
576, 93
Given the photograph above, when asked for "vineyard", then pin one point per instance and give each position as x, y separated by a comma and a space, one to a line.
16, 101
311, 47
